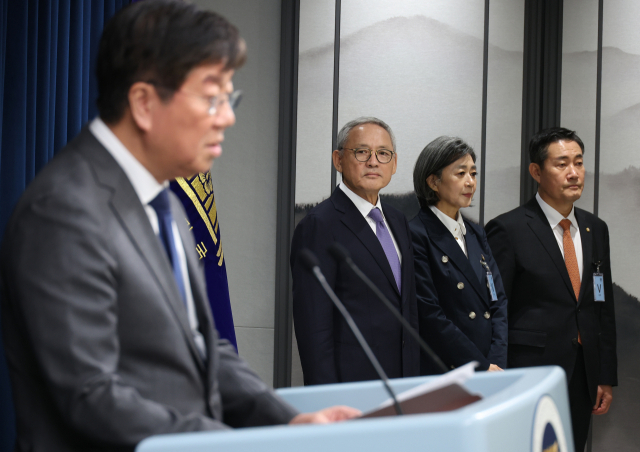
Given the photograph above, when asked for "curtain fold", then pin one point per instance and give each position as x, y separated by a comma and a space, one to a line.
47, 92
47, 83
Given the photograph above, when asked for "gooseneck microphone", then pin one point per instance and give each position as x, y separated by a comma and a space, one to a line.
340, 254
311, 263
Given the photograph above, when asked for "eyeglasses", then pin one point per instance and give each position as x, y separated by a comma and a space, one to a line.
215, 102
364, 154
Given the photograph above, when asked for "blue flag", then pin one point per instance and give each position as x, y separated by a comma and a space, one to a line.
196, 194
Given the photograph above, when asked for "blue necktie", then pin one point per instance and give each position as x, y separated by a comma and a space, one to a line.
384, 236
165, 220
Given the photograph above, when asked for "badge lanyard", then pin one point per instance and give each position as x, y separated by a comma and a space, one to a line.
598, 283
492, 287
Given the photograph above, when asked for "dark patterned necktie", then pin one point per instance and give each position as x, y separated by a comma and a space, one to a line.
165, 220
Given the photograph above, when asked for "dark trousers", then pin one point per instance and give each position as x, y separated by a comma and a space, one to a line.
580, 403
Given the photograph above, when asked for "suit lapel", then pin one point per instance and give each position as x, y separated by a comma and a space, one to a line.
134, 219
442, 239
199, 292
540, 226
353, 219
196, 280
131, 215
586, 239
397, 229
475, 254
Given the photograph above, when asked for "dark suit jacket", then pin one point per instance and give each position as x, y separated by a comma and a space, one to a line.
329, 351
544, 315
97, 340
457, 317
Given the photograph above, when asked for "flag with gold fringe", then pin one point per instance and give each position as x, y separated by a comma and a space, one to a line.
196, 194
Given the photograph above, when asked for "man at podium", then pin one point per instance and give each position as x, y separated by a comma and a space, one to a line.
108, 334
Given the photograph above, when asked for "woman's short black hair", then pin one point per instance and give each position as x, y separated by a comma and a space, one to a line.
436, 156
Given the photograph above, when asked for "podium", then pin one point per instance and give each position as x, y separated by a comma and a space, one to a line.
521, 410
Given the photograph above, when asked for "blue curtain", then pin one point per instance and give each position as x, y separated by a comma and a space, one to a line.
47, 92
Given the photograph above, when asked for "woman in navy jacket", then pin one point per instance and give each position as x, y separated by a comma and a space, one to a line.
461, 315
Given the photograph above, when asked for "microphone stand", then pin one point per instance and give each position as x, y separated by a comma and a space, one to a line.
341, 254
311, 262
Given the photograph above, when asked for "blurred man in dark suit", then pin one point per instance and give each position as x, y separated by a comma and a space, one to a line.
108, 334
556, 270
377, 237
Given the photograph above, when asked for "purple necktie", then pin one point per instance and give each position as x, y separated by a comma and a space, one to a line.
387, 245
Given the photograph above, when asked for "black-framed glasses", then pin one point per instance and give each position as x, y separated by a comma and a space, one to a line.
364, 154
215, 102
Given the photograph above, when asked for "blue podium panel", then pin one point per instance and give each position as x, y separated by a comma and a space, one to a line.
521, 410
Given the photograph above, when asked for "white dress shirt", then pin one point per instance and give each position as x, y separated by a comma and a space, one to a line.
456, 227
147, 188
554, 218
364, 207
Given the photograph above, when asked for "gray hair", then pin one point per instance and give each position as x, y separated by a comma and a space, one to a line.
435, 157
343, 135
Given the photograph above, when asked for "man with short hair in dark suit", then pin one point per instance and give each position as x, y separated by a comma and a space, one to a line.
556, 269
107, 329
378, 239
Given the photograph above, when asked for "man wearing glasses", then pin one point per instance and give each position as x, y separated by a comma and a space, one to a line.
107, 328
377, 237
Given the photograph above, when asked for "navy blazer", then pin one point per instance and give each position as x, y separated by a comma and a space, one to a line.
329, 352
544, 314
457, 317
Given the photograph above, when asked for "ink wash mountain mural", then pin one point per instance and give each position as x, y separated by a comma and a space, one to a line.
422, 73
619, 206
419, 67
618, 429
619, 181
424, 78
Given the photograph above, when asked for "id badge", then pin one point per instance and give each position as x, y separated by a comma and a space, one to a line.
598, 287
492, 287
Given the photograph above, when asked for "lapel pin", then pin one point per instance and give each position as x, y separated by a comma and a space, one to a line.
588, 230
445, 259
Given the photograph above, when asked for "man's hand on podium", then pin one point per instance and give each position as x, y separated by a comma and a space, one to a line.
494, 368
326, 416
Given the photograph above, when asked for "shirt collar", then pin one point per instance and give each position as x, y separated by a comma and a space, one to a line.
553, 216
454, 226
363, 206
144, 184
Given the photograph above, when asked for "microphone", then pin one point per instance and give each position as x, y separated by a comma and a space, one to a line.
311, 263
340, 254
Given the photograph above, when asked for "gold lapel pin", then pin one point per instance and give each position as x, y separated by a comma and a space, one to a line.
588, 230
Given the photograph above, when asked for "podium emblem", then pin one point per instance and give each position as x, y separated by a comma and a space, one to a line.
548, 431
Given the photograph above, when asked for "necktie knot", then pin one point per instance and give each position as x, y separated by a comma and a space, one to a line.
376, 215
565, 224
161, 203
